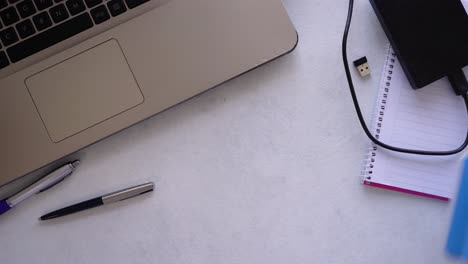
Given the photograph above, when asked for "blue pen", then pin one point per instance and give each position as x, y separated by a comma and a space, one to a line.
39, 186
457, 244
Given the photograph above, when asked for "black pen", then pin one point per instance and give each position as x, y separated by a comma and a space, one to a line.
102, 200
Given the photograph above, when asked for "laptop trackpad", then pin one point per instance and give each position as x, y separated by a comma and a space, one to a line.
84, 90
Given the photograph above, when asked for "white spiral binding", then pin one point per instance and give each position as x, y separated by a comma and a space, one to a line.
379, 115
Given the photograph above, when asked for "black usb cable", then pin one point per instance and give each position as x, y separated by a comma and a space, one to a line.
457, 80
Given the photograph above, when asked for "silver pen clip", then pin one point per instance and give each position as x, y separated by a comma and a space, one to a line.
43, 184
72, 166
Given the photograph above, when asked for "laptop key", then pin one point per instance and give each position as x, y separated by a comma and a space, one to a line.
12, 1
50, 37
116, 7
9, 16
92, 3
26, 8
3, 60
42, 21
75, 6
58, 13
43, 4
25, 28
100, 14
8, 36
3, 4
134, 3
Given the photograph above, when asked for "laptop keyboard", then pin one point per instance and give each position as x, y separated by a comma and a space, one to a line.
29, 26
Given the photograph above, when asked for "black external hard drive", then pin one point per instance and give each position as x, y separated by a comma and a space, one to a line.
429, 37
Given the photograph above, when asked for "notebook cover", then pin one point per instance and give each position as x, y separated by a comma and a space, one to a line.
396, 189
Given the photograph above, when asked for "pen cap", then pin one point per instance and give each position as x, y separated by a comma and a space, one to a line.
127, 193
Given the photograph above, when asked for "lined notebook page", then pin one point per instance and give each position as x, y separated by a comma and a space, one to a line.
432, 118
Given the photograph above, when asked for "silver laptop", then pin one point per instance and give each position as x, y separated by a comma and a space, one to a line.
75, 71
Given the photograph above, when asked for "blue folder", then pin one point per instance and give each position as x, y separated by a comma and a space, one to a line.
457, 244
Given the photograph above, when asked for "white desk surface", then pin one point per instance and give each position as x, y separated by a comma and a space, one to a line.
263, 169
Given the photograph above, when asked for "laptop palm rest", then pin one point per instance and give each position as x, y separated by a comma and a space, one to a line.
84, 90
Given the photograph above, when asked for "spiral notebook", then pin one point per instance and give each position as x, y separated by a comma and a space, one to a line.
432, 118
